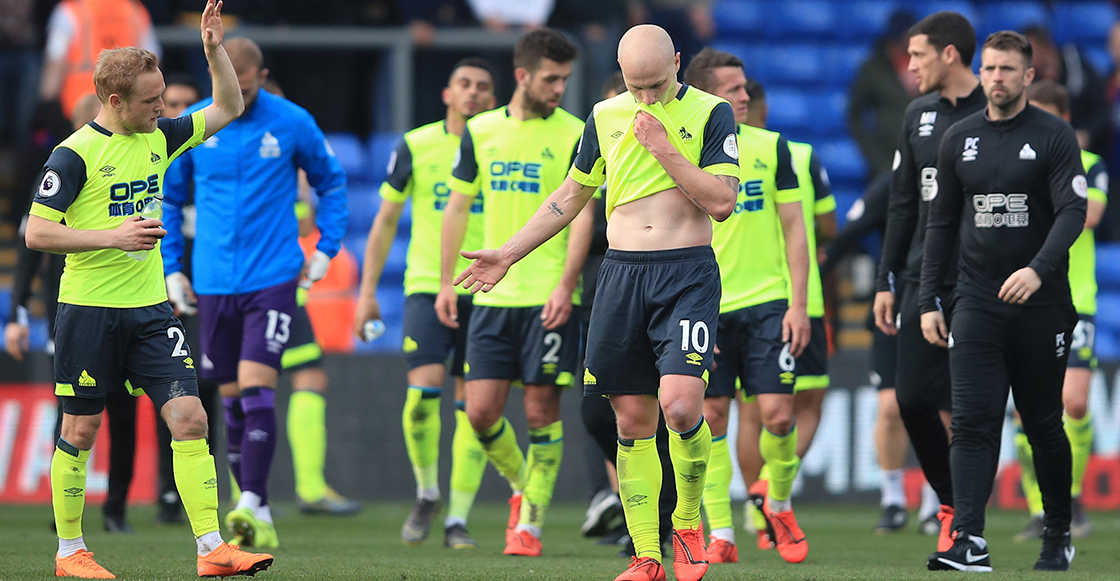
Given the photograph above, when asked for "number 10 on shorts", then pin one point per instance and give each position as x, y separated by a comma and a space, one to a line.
694, 337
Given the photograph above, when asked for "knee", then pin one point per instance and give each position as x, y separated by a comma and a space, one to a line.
81, 432
715, 413
635, 427
778, 423
540, 417
1076, 407
188, 424
482, 419
681, 415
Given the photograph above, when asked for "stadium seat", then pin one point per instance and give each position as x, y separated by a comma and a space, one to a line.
790, 63
962, 7
843, 160
1098, 57
1108, 267
829, 111
5, 301
1108, 311
738, 18
1107, 346
746, 53
1011, 16
789, 109
803, 19
351, 153
1083, 22
381, 148
842, 63
863, 19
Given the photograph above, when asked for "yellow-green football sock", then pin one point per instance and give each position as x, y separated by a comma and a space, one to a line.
689, 452
639, 486
307, 435
197, 481
1027, 478
1080, 434
764, 472
421, 423
717, 485
468, 461
68, 488
780, 454
546, 448
501, 447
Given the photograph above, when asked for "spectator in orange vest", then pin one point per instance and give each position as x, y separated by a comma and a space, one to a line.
78, 30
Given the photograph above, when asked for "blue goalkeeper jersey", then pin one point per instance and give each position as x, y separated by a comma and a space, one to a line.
245, 185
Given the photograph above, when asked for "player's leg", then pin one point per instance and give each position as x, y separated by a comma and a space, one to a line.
980, 387
159, 359
923, 380
266, 328
811, 386
307, 418
549, 360
220, 327
121, 408
717, 407
1037, 364
891, 446
86, 366
468, 462
1078, 420
491, 364
639, 470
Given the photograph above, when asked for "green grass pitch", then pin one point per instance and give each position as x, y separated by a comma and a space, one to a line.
367, 546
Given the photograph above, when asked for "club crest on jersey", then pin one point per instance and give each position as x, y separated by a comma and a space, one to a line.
270, 146
50, 185
685, 135
925, 123
1027, 152
971, 148
155, 157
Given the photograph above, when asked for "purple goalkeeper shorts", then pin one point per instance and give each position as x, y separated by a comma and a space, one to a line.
252, 326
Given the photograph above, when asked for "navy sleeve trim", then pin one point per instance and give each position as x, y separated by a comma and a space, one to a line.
821, 184
465, 166
63, 177
587, 150
720, 126
400, 167
177, 131
785, 176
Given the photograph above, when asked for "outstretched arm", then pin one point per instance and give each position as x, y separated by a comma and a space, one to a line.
228, 104
557, 211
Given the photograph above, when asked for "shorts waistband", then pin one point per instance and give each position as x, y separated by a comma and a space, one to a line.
659, 256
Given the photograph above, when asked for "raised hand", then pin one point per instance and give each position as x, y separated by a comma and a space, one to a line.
649, 131
212, 30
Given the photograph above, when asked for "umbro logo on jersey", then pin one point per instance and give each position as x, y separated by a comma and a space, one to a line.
758, 164
155, 157
685, 135
971, 148
616, 135
547, 154
925, 123
1027, 152
107, 171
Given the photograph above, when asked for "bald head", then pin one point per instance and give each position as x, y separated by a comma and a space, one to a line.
648, 62
244, 54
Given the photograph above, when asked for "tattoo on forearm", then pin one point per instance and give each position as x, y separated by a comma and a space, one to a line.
694, 199
556, 211
731, 182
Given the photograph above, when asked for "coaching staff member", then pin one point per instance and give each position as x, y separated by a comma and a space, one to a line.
1011, 184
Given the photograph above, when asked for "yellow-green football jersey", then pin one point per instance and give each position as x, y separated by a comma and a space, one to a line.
419, 169
701, 126
750, 244
816, 200
1083, 253
515, 165
95, 180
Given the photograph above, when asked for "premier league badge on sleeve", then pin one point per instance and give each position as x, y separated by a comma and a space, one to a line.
50, 185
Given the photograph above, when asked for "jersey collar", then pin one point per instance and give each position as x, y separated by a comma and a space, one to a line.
1006, 124
100, 129
976, 96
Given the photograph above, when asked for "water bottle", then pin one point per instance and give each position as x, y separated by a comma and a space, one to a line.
373, 329
152, 210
